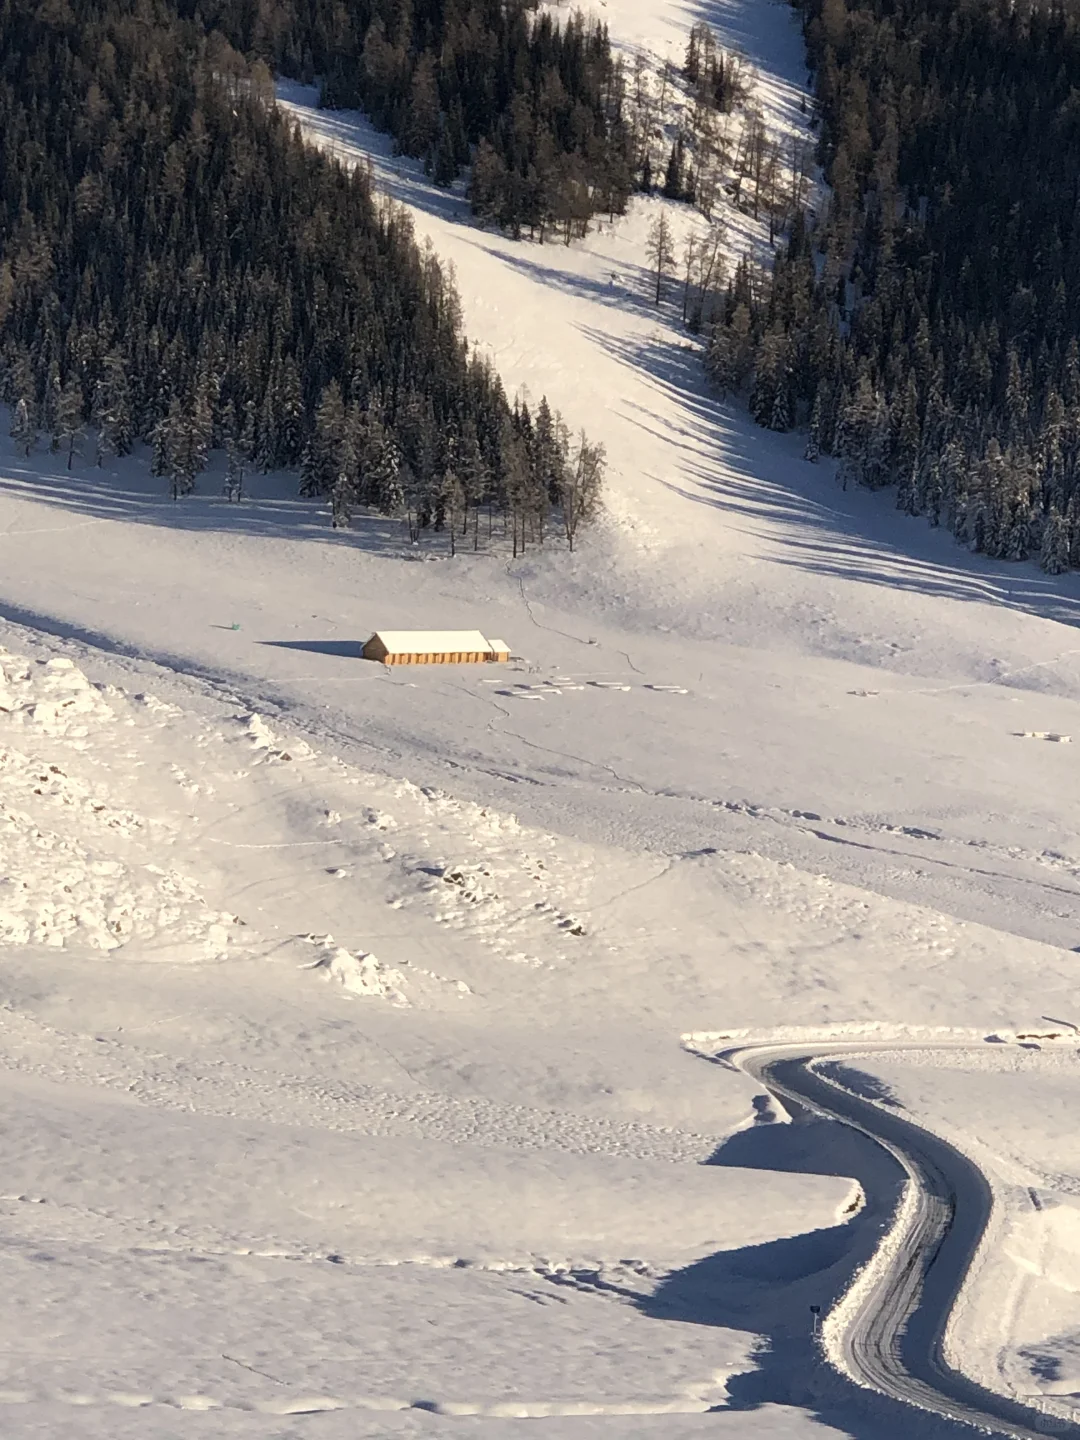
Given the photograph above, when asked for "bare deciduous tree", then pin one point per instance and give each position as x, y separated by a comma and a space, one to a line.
582, 486
661, 250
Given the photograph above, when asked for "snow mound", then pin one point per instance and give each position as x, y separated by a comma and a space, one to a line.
73, 867
53, 696
357, 971
262, 738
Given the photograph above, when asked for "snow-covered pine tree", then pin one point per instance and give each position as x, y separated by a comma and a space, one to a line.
346, 487
906, 447
933, 493
235, 462
68, 419
780, 417
384, 476
112, 409
199, 429
290, 416
323, 458
1054, 545
730, 355
246, 441
475, 478
770, 378
549, 451
23, 430
1018, 543
51, 404
181, 444
812, 451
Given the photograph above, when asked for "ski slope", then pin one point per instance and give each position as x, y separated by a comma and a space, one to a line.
342, 1010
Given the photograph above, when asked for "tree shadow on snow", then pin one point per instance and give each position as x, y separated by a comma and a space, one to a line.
768, 1290
810, 523
626, 288
271, 509
349, 137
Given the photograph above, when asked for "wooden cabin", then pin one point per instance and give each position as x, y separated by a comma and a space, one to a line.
434, 647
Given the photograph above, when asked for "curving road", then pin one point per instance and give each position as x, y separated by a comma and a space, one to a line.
893, 1340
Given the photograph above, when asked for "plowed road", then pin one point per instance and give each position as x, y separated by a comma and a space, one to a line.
893, 1340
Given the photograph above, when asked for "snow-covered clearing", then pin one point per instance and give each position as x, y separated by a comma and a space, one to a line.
341, 1008
249, 1167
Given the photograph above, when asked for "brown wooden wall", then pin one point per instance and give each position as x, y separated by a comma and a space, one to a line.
455, 657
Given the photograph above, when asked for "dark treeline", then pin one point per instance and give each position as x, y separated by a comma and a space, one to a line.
536, 105
926, 330
177, 267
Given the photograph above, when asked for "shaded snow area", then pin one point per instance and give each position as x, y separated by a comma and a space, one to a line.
356, 1024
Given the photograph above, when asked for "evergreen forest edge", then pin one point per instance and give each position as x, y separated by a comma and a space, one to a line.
925, 331
177, 266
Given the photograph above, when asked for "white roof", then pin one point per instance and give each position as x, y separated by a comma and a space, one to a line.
433, 642
500, 647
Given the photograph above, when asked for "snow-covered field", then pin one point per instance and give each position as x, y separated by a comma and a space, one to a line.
342, 1010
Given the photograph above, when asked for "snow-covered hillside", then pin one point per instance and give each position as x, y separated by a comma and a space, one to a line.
343, 1011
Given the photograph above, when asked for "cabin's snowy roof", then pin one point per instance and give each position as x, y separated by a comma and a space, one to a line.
433, 642
500, 647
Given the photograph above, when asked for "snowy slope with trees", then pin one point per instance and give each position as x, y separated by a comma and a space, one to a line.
405, 963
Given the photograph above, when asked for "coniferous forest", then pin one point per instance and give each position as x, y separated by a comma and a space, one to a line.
534, 105
177, 267
926, 329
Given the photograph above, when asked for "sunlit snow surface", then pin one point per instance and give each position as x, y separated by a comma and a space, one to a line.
342, 1010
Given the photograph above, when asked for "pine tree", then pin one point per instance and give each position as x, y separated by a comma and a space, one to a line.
730, 356
475, 478
780, 417
692, 64
768, 397
290, 416
549, 451
673, 177
324, 457
112, 409
1054, 545
444, 165
51, 407
198, 433
235, 463
181, 442
384, 476
247, 443
812, 451
23, 430
863, 437
68, 419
